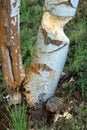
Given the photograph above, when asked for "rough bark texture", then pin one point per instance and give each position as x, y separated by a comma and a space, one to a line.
51, 51
10, 48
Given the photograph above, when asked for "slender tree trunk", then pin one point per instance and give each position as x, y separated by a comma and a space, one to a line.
10, 48
51, 51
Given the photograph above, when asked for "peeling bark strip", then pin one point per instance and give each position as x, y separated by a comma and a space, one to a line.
10, 48
50, 53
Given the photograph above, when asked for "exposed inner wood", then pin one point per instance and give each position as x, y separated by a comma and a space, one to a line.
54, 24
66, 3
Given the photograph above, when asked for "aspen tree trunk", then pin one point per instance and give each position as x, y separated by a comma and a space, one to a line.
51, 51
10, 48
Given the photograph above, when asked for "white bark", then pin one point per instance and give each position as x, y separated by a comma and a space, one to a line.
47, 60
15, 12
51, 51
63, 8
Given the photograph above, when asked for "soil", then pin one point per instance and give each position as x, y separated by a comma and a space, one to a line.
3, 114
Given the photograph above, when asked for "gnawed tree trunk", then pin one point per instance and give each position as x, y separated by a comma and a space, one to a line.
51, 51
10, 48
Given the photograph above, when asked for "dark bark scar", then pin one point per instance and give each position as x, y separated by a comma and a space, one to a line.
48, 40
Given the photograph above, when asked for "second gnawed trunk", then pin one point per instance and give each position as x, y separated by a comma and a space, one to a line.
10, 49
50, 54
